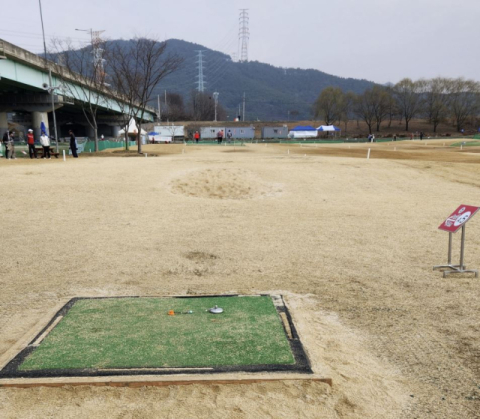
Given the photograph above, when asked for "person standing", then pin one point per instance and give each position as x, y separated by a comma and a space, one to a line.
421, 135
31, 144
9, 145
5, 140
229, 136
196, 136
73, 144
45, 142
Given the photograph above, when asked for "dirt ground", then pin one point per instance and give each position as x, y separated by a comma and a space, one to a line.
349, 242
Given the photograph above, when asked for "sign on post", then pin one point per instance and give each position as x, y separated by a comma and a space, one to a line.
458, 219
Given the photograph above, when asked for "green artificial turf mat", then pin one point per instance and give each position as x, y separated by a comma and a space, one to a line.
138, 333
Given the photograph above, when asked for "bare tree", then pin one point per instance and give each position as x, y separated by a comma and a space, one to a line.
328, 105
203, 107
407, 94
176, 108
463, 100
136, 67
365, 107
346, 108
392, 108
380, 100
436, 101
83, 77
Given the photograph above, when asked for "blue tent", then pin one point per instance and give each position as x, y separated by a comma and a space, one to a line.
153, 133
303, 128
328, 128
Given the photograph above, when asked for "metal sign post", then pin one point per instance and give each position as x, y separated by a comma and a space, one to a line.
452, 224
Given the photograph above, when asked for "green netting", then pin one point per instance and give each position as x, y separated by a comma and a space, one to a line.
225, 144
310, 141
106, 144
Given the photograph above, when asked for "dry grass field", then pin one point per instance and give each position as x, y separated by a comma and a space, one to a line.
349, 242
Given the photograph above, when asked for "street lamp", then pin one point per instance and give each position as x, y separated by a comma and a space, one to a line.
49, 79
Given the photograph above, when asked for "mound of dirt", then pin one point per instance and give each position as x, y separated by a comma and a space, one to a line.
222, 184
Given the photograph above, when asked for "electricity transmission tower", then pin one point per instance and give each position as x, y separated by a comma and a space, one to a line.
243, 35
97, 52
201, 78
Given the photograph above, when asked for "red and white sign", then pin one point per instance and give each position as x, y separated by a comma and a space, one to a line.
458, 218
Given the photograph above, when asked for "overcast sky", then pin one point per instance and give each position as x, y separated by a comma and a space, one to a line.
378, 40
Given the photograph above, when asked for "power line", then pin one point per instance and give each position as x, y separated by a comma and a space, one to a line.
21, 34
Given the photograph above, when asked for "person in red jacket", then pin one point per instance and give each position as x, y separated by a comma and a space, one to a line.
196, 136
31, 144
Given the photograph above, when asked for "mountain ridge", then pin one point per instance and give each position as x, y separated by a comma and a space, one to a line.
272, 93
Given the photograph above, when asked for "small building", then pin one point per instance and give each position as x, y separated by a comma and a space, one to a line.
241, 133
209, 133
275, 132
172, 131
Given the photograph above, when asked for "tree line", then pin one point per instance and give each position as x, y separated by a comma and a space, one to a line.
438, 100
200, 106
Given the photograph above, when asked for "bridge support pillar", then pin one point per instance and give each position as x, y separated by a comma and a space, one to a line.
90, 132
37, 119
3, 123
115, 131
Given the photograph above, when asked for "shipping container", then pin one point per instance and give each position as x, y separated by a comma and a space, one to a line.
240, 133
210, 133
275, 132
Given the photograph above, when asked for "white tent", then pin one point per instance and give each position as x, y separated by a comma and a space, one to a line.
132, 129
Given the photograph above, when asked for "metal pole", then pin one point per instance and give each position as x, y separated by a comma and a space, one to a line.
215, 98
53, 111
159, 109
165, 100
243, 119
462, 248
49, 77
450, 235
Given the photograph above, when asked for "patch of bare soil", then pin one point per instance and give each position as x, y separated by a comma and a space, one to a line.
222, 183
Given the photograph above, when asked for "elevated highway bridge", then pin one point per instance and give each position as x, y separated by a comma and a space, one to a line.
22, 76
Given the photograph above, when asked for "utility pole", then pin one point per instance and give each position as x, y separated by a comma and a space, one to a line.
215, 98
243, 107
201, 78
159, 109
243, 35
239, 112
166, 106
50, 80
